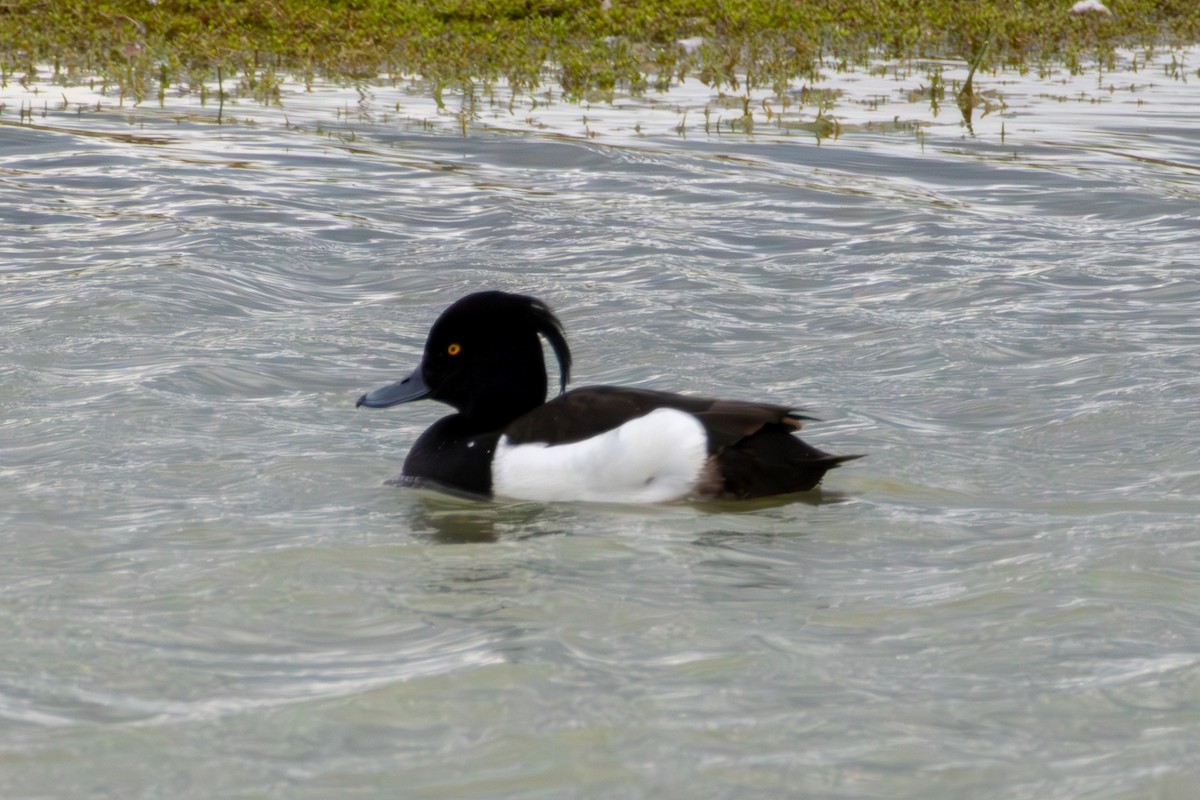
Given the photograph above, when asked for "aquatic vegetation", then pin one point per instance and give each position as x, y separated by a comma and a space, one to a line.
588, 48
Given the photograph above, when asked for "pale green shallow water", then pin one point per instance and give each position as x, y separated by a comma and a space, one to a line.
207, 591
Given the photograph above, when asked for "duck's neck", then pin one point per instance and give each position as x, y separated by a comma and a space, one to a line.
499, 396
484, 417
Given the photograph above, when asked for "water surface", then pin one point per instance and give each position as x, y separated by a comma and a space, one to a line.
207, 590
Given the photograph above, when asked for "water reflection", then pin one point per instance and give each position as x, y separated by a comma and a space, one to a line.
449, 520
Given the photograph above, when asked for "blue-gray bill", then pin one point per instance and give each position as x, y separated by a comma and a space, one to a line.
411, 388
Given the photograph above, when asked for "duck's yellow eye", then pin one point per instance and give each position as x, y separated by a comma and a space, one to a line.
454, 349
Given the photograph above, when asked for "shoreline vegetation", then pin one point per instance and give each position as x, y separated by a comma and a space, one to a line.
589, 48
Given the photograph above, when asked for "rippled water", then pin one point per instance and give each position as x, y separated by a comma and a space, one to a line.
206, 589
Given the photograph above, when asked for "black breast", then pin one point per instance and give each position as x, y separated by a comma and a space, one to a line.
449, 457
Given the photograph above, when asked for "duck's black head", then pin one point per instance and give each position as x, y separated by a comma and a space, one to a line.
483, 357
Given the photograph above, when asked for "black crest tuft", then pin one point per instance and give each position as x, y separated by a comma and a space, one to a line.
551, 328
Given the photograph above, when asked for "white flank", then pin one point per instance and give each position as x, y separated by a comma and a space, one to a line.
652, 459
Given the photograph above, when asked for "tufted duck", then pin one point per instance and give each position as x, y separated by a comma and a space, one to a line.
597, 443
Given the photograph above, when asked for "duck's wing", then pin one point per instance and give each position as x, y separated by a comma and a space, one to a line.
591, 410
772, 461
